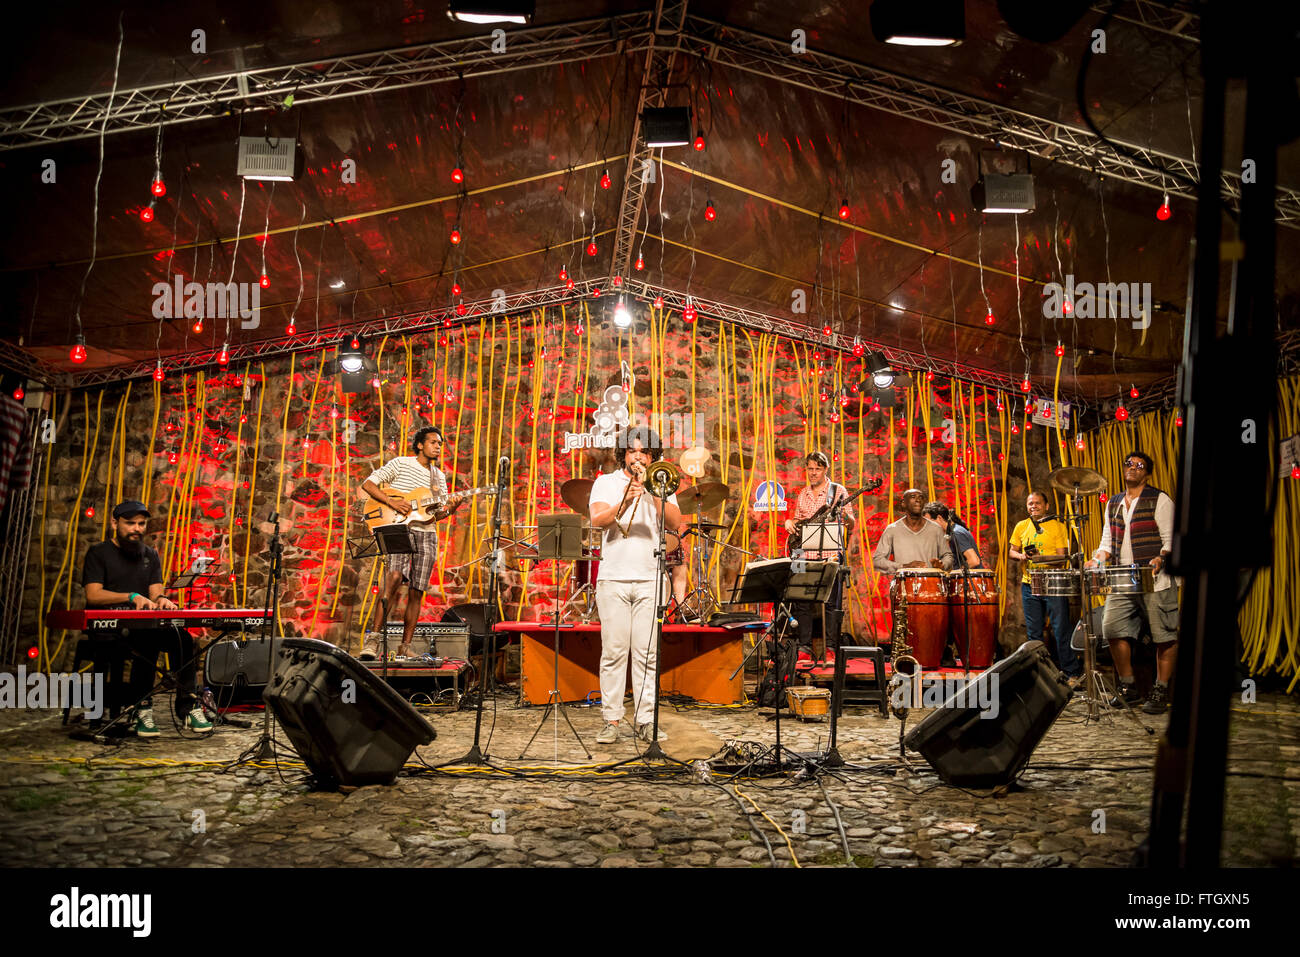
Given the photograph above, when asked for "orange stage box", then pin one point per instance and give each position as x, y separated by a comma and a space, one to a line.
695, 661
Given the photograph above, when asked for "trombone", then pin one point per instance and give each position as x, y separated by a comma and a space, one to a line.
661, 480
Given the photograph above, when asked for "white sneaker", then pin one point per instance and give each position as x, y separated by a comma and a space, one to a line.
608, 734
646, 732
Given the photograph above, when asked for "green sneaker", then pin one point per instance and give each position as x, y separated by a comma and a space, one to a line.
196, 720
144, 726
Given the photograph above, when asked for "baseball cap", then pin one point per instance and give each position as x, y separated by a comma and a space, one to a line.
130, 507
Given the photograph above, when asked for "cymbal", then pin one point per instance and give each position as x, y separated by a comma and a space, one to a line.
707, 526
1089, 481
577, 494
701, 498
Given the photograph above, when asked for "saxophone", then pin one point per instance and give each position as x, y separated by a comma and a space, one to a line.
902, 655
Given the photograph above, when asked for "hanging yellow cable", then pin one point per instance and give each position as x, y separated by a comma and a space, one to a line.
42, 608
252, 482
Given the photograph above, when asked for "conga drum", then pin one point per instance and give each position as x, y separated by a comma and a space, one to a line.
927, 612
974, 600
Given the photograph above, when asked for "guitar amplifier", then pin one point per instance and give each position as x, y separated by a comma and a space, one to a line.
442, 638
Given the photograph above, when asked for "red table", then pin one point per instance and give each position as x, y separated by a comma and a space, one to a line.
694, 660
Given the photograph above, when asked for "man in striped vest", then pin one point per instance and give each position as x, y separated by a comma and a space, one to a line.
1139, 530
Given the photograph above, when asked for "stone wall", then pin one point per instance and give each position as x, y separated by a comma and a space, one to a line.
509, 387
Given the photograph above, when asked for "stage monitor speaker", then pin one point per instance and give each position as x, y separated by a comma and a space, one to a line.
349, 726
986, 745
228, 663
474, 615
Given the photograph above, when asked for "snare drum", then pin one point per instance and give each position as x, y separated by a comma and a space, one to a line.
1129, 579
974, 599
1054, 582
675, 557
927, 612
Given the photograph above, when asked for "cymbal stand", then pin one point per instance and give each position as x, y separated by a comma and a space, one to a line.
701, 602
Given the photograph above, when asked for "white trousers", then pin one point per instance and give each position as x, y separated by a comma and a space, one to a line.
627, 616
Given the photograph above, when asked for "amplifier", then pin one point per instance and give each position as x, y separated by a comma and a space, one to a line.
446, 639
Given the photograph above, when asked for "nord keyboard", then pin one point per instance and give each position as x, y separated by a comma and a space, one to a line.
123, 621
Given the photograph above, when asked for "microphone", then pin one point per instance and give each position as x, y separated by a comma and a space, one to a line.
1037, 528
503, 470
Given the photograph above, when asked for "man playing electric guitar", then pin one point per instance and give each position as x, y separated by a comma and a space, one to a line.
817, 498
406, 474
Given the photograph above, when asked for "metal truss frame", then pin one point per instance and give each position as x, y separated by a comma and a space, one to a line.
936, 106
659, 59
189, 100
1177, 18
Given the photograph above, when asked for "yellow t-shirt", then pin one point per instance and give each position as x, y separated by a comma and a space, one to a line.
1054, 536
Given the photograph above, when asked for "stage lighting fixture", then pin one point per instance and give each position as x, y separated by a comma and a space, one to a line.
882, 379
938, 23
994, 193
274, 158
666, 126
491, 11
622, 318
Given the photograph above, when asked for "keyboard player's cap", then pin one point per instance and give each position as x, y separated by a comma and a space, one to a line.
130, 507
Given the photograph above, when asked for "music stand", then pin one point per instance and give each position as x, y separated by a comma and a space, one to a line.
388, 540
559, 538
779, 582
825, 537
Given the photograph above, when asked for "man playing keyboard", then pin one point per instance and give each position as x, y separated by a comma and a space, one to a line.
124, 572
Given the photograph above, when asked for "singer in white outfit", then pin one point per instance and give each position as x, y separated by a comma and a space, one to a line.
629, 516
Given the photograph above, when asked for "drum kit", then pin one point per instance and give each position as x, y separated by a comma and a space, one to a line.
700, 602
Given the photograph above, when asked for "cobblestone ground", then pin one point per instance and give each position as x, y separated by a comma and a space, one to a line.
1083, 801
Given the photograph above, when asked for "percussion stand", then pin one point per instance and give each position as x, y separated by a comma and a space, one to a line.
700, 601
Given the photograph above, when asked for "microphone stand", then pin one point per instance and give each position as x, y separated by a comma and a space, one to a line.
475, 755
661, 568
265, 748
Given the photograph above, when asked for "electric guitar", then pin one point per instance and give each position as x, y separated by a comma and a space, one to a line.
423, 505
796, 536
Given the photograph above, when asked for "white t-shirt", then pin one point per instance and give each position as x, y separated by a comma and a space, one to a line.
628, 557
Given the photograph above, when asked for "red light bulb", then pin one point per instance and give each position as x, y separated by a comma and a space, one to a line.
618, 281
859, 349
659, 302
1015, 429
265, 281
1024, 386
989, 320
591, 248
1164, 212
1295, 471
577, 331
1079, 444
1067, 307
699, 141
458, 175
158, 374
18, 394
640, 264
460, 309
291, 330
710, 213
1060, 350
568, 284
1102, 498
564, 274
90, 512
223, 357
455, 289
824, 396
595, 293
78, 353
689, 313
146, 214
1133, 392
875, 407
158, 187
929, 376
243, 418
197, 327
33, 652
455, 237
374, 589
1178, 422
835, 417
844, 209
605, 181
1121, 413
844, 402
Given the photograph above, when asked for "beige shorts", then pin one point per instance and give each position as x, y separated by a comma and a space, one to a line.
1125, 613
